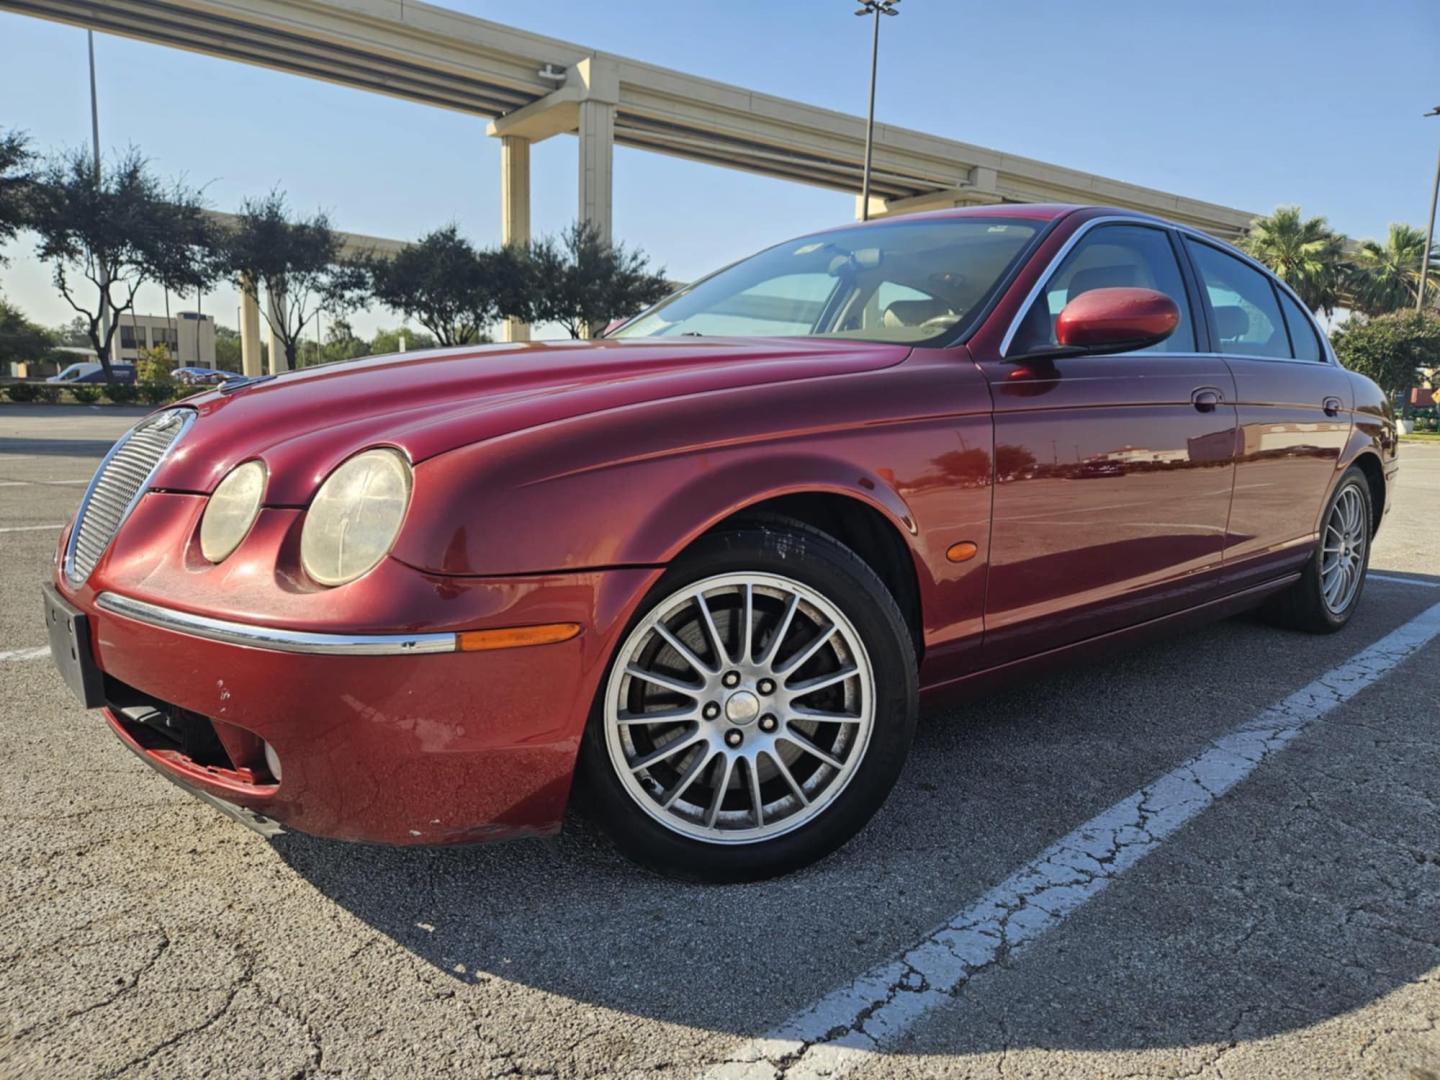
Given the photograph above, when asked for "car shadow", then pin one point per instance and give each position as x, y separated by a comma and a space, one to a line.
988, 785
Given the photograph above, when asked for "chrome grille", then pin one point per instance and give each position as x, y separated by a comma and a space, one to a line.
118, 484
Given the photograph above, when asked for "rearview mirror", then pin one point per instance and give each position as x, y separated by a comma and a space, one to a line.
1116, 320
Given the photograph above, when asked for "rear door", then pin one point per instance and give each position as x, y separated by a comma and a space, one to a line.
1294, 409
1113, 473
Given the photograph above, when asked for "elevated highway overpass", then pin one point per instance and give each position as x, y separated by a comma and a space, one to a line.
532, 87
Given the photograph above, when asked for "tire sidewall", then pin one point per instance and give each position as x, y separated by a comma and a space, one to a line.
843, 578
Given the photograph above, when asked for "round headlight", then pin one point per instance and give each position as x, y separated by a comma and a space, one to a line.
355, 516
231, 511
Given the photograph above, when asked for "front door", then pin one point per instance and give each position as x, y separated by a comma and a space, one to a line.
1113, 473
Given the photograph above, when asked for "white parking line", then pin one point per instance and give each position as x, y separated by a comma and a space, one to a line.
1372, 576
842, 1029
29, 528
25, 654
39, 483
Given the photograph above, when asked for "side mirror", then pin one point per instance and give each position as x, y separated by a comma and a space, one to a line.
1116, 320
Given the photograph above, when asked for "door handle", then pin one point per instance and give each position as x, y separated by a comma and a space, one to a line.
1332, 406
1206, 398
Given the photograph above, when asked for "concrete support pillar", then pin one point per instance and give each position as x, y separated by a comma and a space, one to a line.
515, 211
249, 328
278, 362
597, 153
599, 82
877, 206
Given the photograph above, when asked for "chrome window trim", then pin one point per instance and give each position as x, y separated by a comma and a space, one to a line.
271, 638
68, 565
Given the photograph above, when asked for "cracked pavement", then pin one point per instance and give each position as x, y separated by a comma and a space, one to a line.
1167, 864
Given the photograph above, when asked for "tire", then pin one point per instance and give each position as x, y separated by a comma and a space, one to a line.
1313, 603
763, 805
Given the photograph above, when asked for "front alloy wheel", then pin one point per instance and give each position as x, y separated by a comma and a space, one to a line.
740, 707
757, 711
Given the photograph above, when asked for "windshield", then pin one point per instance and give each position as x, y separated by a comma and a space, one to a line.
910, 282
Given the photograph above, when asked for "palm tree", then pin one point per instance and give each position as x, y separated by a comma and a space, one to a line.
1387, 276
1307, 255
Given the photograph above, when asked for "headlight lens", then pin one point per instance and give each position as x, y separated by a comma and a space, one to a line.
355, 517
231, 511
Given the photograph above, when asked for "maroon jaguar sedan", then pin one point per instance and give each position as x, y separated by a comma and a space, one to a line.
709, 565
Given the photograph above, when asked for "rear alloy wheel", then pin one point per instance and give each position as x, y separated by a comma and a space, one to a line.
755, 714
1328, 592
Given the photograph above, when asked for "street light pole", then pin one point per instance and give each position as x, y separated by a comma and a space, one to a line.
95, 151
875, 8
1430, 231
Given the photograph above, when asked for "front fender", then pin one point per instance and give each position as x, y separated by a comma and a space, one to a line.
633, 487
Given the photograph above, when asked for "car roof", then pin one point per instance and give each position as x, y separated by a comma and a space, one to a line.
1022, 211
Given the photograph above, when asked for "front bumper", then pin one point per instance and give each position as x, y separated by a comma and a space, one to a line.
386, 737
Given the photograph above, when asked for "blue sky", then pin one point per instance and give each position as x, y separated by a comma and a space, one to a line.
1316, 102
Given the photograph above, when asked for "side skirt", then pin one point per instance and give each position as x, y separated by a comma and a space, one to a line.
985, 680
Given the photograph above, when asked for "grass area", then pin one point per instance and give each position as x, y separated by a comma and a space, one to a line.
1421, 436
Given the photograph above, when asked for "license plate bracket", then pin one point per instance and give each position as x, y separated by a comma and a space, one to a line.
70, 649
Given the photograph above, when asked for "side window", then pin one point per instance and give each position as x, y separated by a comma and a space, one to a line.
1108, 257
1302, 331
1247, 317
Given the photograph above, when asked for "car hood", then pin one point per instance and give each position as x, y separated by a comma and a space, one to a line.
304, 423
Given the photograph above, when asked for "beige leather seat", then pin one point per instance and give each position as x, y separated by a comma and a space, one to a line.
915, 312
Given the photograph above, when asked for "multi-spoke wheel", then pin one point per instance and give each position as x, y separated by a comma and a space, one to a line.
757, 710
1328, 592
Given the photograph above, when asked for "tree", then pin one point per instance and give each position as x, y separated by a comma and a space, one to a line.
154, 365
1306, 254
582, 282
1390, 348
75, 332
107, 236
340, 344
20, 339
228, 356
227, 349
388, 341
449, 287
298, 262
15, 184
1387, 276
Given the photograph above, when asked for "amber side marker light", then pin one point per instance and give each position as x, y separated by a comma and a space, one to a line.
515, 637
961, 552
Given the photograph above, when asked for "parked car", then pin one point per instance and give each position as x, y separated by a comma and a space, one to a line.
711, 564
199, 376
93, 372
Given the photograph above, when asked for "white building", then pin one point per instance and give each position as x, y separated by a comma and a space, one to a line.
189, 336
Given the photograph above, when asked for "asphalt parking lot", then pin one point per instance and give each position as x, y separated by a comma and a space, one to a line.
1283, 920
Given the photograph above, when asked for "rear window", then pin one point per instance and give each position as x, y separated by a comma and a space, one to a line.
1303, 342
1247, 315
